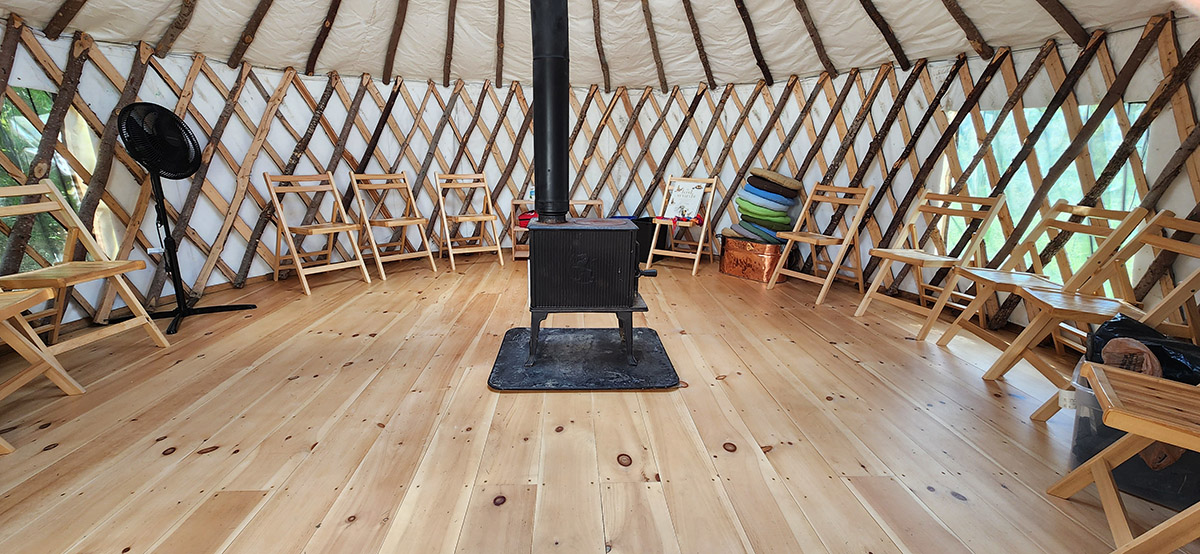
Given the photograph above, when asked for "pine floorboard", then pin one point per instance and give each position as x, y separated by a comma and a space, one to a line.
359, 420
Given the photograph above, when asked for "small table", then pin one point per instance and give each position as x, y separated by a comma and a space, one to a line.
522, 251
1149, 409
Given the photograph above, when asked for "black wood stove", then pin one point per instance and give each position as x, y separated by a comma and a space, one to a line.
579, 265
585, 265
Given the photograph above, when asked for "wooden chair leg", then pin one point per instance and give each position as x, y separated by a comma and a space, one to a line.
374, 250
653, 245
126, 294
1110, 501
779, 266
362, 264
1015, 351
943, 298
699, 250
447, 244
884, 270
1167, 536
982, 293
35, 353
5, 447
61, 298
833, 273
496, 239
1114, 455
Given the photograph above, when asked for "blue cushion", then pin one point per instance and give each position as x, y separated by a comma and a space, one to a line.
777, 198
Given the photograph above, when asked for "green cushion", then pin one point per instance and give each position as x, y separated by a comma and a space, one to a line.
768, 224
762, 213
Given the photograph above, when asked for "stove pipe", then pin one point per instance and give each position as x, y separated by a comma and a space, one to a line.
551, 86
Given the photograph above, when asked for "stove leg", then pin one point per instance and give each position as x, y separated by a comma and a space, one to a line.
535, 323
626, 327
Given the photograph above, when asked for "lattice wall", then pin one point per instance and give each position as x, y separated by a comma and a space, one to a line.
880, 126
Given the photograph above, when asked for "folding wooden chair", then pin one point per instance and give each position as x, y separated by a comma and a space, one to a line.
855, 198
63, 277
694, 248
1086, 305
18, 335
1149, 409
379, 186
973, 209
467, 186
312, 196
1024, 268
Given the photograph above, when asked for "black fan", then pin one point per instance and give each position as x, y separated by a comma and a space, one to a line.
164, 145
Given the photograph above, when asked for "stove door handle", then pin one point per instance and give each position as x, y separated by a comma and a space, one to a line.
647, 273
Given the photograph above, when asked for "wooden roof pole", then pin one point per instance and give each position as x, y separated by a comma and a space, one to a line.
499, 42
691, 17
1065, 20
973, 35
600, 44
186, 9
658, 65
888, 36
322, 34
451, 10
753, 38
66, 12
243, 43
389, 58
819, 46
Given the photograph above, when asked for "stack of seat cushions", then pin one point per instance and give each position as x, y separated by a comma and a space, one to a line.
763, 205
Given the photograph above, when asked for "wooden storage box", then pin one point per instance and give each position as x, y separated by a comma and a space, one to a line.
750, 259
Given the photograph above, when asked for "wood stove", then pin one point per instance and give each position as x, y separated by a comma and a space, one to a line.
584, 265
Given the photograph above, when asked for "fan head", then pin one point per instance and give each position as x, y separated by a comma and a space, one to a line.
159, 140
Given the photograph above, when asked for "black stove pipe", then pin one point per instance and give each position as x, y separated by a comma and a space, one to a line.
551, 85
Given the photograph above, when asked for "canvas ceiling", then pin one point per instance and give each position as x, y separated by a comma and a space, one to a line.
360, 33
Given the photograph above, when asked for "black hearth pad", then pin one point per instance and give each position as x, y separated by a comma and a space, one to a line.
582, 359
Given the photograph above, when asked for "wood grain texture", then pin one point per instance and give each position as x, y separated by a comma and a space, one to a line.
247, 37
322, 34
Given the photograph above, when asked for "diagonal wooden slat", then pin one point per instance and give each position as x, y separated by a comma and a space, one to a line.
187, 8
322, 34
888, 36
968, 27
691, 17
752, 37
62, 17
810, 25
247, 37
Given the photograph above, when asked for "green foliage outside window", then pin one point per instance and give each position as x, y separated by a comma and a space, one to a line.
19, 141
1122, 194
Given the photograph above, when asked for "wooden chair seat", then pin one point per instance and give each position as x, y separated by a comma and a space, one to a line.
69, 274
810, 238
913, 256
398, 222
1148, 409
1075, 306
323, 228
1006, 281
472, 217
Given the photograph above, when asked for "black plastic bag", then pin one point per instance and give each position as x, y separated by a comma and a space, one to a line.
1180, 359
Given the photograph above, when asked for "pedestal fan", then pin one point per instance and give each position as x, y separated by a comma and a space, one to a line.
164, 145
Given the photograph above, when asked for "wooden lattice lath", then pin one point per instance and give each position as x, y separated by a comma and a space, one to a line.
891, 127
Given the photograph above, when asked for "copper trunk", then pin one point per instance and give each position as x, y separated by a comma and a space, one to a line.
750, 260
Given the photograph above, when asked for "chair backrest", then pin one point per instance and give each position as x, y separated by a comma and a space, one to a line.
706, 196
854, 198
1108, 228
378, 186
466, 184
311, 190
970, 210
1156, 235
44, 197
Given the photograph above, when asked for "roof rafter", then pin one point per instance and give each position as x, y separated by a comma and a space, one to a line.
499, 42
322, 34
600, 44
974, 37
389, 58
658, 65
1065, 20
450, 12
186, 9
753, 37
66, 12
819, 46
239, 50
888, 35
691, 17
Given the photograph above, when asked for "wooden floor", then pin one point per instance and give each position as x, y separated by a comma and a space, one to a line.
359, 420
